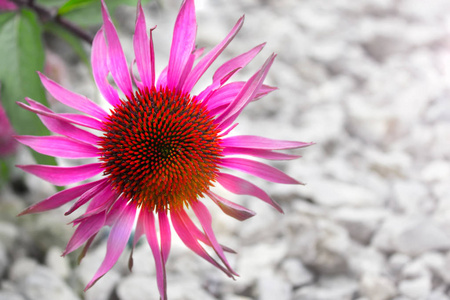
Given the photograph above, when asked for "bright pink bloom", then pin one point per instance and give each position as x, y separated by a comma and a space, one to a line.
160, 148
7, 5
8, 144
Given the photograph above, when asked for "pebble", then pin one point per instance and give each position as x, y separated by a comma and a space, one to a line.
42, 283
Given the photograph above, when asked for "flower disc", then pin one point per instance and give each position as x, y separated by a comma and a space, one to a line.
160, 149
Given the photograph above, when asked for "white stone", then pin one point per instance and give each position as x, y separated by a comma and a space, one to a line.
21, 268
410, 235
296, 273
329, 288
416, 288
397, 262
273, 287
8, 234
42, 283
333, 193
377, 287
7, 295
59, 264
362, 260
138, 287
361, 223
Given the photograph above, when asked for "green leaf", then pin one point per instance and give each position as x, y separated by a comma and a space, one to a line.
70, 39
74, 4
21, 55
87, 13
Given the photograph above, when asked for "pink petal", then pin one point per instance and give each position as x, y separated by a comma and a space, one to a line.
86, 248
197, 233
266, 154
183, 43
59, 146
60, 198
241, 186
95, 192
205, 219
165, 234
99, 62
257, 169
206, 61
118, 238
85, 230
116, 58
64, 127
184, 232
70, 118
83, 120
148, 220
162, 79
73, 100
143, 51
258, 142
63, 175
237, 62
230, 208
247, 93
138, 83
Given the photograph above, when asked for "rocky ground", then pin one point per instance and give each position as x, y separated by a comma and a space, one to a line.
368, 81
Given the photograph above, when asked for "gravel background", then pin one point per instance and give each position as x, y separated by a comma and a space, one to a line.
368, 81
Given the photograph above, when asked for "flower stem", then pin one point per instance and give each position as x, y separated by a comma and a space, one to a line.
51, 15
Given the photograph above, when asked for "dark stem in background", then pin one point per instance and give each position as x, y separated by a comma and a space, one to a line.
51, 15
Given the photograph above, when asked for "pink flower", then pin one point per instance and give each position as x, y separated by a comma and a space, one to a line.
7, 143
7, 5
160, 147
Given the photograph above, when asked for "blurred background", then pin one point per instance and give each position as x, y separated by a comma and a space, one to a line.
367, 80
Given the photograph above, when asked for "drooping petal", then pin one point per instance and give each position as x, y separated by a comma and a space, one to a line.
148, 220
60, 198
99, 62
183, 43
230, 208
64, 127
143, 51
59, 146
85, 230
63, 175
241, 186
71, 99
86, 248
197, 234
257, 169
209, 58
117, 240
94, 192
259, 142
165, 235
205, 219
247, 93
116, 58
262, 153
184, 232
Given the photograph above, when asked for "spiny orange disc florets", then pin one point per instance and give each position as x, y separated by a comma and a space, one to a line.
160, 149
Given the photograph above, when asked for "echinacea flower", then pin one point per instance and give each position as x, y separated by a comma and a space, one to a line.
160, 148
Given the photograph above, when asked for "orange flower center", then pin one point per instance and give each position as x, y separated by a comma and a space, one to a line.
161, 149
